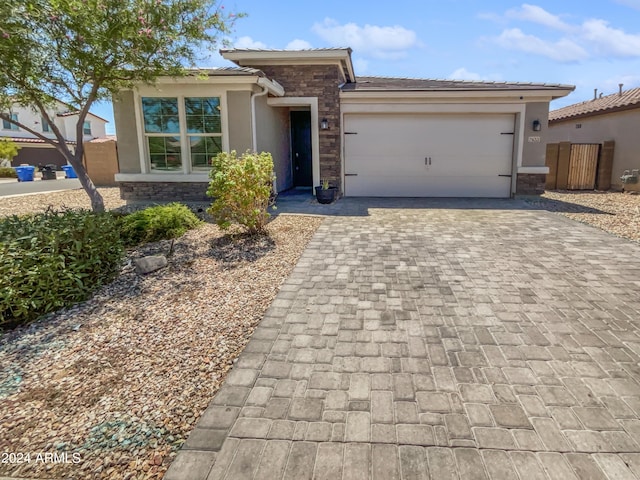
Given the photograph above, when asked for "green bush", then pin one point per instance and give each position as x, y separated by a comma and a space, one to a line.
54, 259
241, 188
8, 172
156, 223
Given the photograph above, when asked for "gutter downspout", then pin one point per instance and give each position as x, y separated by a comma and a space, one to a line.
254, 130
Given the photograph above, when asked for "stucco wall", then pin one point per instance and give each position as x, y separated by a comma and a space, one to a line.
533, 152
272, 125
239, 106
126, 132
621, 127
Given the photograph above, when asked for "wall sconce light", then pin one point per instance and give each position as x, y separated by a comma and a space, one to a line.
324, 124
537, 126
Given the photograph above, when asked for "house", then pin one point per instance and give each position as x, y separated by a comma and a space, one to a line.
369, 136
613, 117
34, 150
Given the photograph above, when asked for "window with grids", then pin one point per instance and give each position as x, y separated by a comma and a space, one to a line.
168, 144
204, 130
46, 126
7, 125
86, 128
162, 132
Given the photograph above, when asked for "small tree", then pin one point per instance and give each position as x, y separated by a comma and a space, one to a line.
8, 150
80, 51
241, 189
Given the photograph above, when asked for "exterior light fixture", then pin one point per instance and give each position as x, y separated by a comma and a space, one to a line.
324, 124
537, 126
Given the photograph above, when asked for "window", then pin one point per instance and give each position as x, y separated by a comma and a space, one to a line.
86, 128
46, 126
201, 137
7, 125
204, 130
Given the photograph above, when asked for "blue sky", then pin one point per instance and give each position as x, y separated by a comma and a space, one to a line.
586, 44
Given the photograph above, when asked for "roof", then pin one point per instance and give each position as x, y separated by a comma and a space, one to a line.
33, 140
105, 139
72, 112
221, 71
257, 57
426, 84
598, 106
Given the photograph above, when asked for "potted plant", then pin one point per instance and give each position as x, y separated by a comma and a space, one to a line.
325, 193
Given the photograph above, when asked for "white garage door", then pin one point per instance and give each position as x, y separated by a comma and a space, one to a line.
442, 155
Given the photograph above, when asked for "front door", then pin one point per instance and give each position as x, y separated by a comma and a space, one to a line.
301, 149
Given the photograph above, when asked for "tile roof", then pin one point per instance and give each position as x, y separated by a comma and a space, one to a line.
253, 50
32, 140
426, 84
70, 113
105, 139
211, 71
616, 101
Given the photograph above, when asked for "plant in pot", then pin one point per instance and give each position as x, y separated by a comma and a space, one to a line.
325, 193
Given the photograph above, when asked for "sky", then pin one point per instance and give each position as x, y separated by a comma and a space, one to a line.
582, 43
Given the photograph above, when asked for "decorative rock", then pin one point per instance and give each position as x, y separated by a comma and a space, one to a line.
146, 265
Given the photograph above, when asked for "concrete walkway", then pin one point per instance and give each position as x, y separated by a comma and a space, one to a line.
437, 339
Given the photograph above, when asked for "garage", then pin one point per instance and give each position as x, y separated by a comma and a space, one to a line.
428, 155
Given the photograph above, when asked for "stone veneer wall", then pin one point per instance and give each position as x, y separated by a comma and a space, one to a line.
164, 191
530, 184
320, 81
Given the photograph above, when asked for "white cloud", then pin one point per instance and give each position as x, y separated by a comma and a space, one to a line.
563, 50
630, 3
592, 38
610, 41
248, 42
536, 14
298, 44
463, 74
371, 40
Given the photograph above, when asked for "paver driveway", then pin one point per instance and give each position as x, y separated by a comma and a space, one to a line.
447, 339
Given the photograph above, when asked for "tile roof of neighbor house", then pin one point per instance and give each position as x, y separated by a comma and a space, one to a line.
617, 101
75, 112
105, 139
33, 140
425, 84
211, 71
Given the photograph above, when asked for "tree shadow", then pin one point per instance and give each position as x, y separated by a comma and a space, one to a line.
231, 250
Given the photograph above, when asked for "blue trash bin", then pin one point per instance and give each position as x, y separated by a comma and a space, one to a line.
25, 174
69, 172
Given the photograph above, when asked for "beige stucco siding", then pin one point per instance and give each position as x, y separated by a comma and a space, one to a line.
621, 127
273, 136
126, 132
239, 107
533, 151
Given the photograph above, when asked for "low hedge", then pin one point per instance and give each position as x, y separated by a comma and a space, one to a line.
54, 259
156, 223
8, 172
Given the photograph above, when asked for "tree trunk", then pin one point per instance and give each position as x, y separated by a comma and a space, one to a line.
97, 202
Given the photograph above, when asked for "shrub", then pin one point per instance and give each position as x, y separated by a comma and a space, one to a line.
54, 259
241, 188
8, 172
156, 223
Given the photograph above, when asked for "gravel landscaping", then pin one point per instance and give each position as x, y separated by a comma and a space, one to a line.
122, 378
614, 212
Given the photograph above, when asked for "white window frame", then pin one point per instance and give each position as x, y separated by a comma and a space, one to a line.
86, 124
185, 150
12, 126
46, 126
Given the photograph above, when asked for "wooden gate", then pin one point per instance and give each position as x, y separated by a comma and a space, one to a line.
580, 166
583, 164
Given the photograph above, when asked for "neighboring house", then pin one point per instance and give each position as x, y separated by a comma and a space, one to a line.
614, 117
369, 136
34, 150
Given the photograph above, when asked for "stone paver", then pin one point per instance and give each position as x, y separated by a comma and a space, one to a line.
437, 339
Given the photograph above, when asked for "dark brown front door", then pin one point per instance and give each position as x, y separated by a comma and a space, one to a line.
301, 149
